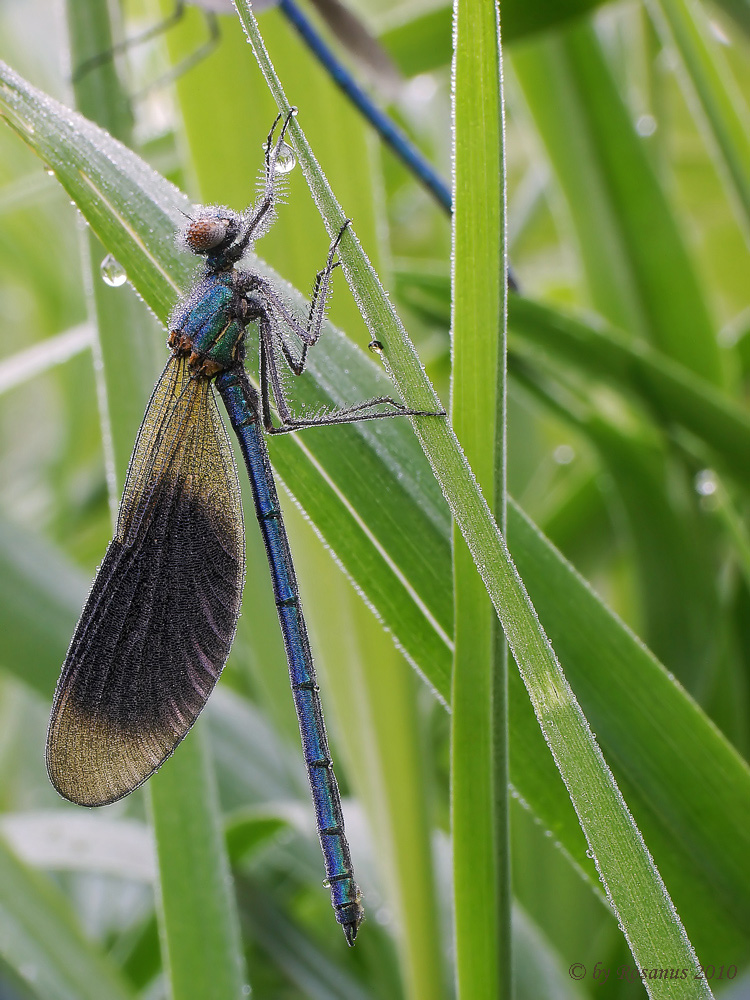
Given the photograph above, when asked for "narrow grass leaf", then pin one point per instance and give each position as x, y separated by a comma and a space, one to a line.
41, 940
716, 97
199, 925
479, 796
650, 923
646, 286
135, 213
683, 776
674, 394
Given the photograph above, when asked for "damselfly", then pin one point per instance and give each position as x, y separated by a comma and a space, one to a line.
159, 622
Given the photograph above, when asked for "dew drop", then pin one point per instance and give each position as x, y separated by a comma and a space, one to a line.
705, 483
376, 347
113, 273
563, 454
646, 125
286, 159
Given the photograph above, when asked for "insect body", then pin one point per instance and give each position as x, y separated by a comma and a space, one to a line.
159, 622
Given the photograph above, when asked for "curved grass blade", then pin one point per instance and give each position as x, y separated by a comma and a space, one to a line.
676, 395
650, 922
41, 941
135, 213
647, 287
626, 693
716, 96
594, 647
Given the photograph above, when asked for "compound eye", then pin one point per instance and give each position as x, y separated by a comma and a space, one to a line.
203, 234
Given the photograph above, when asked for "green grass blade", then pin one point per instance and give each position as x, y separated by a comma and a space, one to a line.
25, 365
124, 383
40, 939
647, 286
679, 600
717, 98
41, 596
135, 213
650, 922
626, 693
198, 919
480, 825
421, 41
199, 925
674, 393
137, 197
310, 971
739, 10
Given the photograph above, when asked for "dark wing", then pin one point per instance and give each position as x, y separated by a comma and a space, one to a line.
161, 616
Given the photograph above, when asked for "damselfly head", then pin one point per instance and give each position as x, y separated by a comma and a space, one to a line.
213, 228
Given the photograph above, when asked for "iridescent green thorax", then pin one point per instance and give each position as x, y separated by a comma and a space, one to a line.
209, 325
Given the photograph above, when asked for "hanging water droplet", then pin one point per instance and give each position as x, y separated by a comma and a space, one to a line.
286, 159
113, 273
706, 483
563, 454
646, 125
49, 171
376, 347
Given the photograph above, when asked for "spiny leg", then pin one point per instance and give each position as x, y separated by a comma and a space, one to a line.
310, 332
271, 385
353, 414
262, 214
318, 303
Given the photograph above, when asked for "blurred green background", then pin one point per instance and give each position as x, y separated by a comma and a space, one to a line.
628, 207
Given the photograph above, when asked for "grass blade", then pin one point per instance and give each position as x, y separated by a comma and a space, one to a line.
480, 824
199, 924
647, 287
651, 925
715, 94
198, 919
137, 198
41, 940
